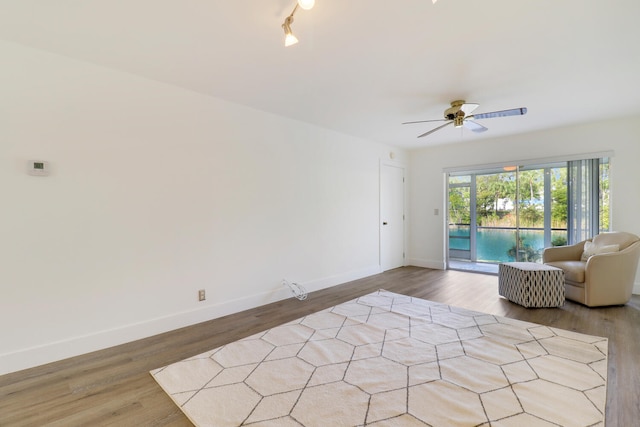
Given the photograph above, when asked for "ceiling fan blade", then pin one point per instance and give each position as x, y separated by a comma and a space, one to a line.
438, 128
468, 108
425, 121
504, 113
473, 126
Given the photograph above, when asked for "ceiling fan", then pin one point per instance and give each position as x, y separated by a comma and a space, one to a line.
460, 115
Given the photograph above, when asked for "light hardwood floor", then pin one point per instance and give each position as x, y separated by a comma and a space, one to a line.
113, 387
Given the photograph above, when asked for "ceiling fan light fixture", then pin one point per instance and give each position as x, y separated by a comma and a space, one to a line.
459, 115
306, 4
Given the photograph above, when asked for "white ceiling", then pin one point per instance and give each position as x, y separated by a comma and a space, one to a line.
363, 66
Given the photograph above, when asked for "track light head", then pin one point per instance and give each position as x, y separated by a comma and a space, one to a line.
306, 4
289, 38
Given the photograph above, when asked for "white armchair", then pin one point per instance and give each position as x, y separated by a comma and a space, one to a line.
599, 271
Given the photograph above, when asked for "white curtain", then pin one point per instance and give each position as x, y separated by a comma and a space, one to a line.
583, 199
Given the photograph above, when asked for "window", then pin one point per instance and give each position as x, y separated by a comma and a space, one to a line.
511, 213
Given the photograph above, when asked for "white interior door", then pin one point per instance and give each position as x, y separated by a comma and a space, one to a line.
391, 217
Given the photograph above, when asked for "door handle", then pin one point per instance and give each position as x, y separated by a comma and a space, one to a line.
384, 223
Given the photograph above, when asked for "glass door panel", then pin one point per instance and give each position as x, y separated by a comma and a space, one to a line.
530, 229
460, 217
558, 205
603, 183
496, 216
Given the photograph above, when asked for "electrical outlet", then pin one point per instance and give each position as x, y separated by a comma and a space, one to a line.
201, 295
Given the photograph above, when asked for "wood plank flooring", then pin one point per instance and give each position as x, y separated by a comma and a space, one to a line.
113, 387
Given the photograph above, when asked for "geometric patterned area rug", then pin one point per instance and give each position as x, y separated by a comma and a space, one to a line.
387, 359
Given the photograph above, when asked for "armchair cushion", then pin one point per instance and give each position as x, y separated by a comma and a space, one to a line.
591, 249
573, 270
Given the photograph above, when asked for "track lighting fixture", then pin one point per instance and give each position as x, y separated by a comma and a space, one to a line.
289, 38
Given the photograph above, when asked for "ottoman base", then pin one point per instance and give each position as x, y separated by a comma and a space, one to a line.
530, 284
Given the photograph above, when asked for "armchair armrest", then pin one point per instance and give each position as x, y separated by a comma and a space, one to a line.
563, 253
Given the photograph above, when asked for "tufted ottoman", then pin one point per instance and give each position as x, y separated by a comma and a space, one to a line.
530, 284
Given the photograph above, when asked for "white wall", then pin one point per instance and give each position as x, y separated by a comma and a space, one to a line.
157, 192
426, 245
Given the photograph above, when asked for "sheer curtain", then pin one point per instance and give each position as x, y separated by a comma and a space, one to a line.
583, 199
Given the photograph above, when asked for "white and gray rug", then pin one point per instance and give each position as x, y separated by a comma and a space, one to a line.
386, 359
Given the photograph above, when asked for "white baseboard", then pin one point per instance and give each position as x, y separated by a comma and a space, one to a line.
75, 346
436, 265
327, 282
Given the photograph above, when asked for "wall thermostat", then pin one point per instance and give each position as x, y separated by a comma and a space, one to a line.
38, 168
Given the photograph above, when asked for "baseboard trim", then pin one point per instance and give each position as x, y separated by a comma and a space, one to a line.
327, 282
437, 265
75, 346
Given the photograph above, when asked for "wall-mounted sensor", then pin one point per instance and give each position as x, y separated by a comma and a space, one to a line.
38, 168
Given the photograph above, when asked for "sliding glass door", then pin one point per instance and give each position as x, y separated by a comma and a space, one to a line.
512, 213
